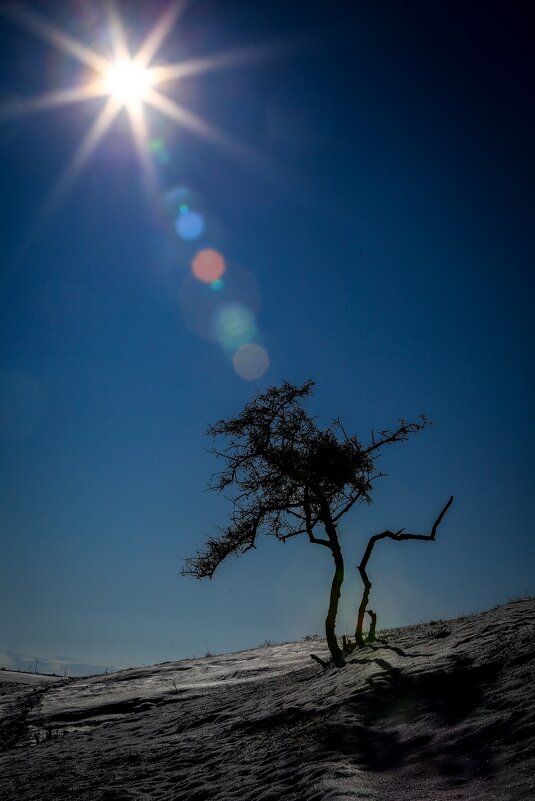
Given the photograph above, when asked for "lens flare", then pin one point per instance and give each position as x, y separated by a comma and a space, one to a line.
208, 265
234, 326
189, 225
178, 199
200, 305
158, 149
250, 361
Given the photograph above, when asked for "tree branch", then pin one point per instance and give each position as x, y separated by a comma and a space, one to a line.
310, 525
398, 536
400, 434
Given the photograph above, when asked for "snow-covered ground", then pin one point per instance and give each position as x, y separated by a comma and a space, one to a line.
18, 677
431, 712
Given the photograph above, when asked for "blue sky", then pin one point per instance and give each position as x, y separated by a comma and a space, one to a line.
374, 210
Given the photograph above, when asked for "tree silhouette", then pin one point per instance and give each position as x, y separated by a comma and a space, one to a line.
290, 477
399, 536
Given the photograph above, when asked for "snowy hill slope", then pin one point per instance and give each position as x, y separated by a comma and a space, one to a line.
435, 711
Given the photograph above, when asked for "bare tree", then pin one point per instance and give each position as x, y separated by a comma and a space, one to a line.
399, 536
290, 477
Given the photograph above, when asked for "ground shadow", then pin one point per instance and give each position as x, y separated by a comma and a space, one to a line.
400, 717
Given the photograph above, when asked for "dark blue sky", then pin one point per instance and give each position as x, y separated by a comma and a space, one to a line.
380, 242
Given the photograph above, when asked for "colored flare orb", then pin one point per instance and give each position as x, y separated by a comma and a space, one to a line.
234, 326
208, 266
250, 361
189, 225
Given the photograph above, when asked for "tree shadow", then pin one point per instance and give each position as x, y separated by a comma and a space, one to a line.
400, 718
382, 645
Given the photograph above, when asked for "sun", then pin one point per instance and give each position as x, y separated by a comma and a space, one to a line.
127, 82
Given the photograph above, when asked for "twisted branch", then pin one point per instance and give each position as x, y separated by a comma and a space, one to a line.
398, 536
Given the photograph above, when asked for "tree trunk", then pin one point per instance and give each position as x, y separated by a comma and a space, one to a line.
373, 624
359, 637
330, 621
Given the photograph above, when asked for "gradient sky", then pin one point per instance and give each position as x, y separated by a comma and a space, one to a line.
369, 183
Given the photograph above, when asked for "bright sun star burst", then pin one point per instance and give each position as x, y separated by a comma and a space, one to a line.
127, 81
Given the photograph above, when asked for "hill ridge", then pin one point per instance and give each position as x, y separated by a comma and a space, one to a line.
442, 710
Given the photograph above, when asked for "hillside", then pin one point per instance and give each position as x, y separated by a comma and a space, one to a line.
442, 710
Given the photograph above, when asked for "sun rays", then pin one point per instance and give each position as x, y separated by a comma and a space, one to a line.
126, 82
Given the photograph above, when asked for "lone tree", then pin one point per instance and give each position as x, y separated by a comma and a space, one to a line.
291, 477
